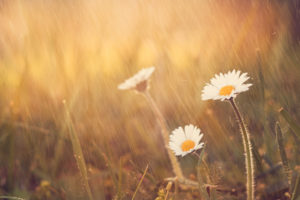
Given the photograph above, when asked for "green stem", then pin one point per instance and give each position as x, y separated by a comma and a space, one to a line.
175, 164
248, 151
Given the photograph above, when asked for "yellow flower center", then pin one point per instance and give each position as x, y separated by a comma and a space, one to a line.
187, 145
226, 90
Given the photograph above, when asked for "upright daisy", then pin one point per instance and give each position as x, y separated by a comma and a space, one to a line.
184, 141
139, 81
226, 86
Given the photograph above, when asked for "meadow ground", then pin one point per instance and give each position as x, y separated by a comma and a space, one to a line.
62, 61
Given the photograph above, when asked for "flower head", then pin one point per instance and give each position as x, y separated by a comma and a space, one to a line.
226, 86
184, 141
139, 81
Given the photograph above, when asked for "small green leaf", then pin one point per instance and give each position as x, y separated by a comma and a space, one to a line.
282, 152
290, 121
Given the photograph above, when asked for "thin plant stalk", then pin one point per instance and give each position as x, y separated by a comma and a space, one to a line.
168, 188
9, 197
77, 150
162, 122
140, 183
110, 168
120, 177
296, 191
248, 151
294, 126
11, 159
201, 188
282, 152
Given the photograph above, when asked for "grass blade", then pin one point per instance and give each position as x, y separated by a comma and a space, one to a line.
257, 157
266, 135
290, 121
9, 197
120, 177
296, 192
111, 171
77, 152
138, 186
201, 183
11, 160
282, 152
148, 176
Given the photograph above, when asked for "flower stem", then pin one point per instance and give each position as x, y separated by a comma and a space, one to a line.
248, 151
162, 122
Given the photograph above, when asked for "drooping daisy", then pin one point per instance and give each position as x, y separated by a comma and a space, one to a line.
139, 81
226, 86
184, 141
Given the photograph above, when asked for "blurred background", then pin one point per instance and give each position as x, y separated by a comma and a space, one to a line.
78, 52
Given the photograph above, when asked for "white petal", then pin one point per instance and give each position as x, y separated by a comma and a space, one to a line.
233, 78
179, 135
132, 82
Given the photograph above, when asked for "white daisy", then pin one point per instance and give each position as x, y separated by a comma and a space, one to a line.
139, 81
185, 141
226, 86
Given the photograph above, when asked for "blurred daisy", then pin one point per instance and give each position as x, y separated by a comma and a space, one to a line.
185, 141
226, 86
139, 81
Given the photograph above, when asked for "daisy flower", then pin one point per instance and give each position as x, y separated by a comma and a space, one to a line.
184, 141
139, 81
226, 86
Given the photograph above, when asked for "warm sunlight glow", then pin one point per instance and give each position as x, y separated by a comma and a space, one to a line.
77, 109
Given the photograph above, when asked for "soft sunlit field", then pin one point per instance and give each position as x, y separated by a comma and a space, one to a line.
62, 61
